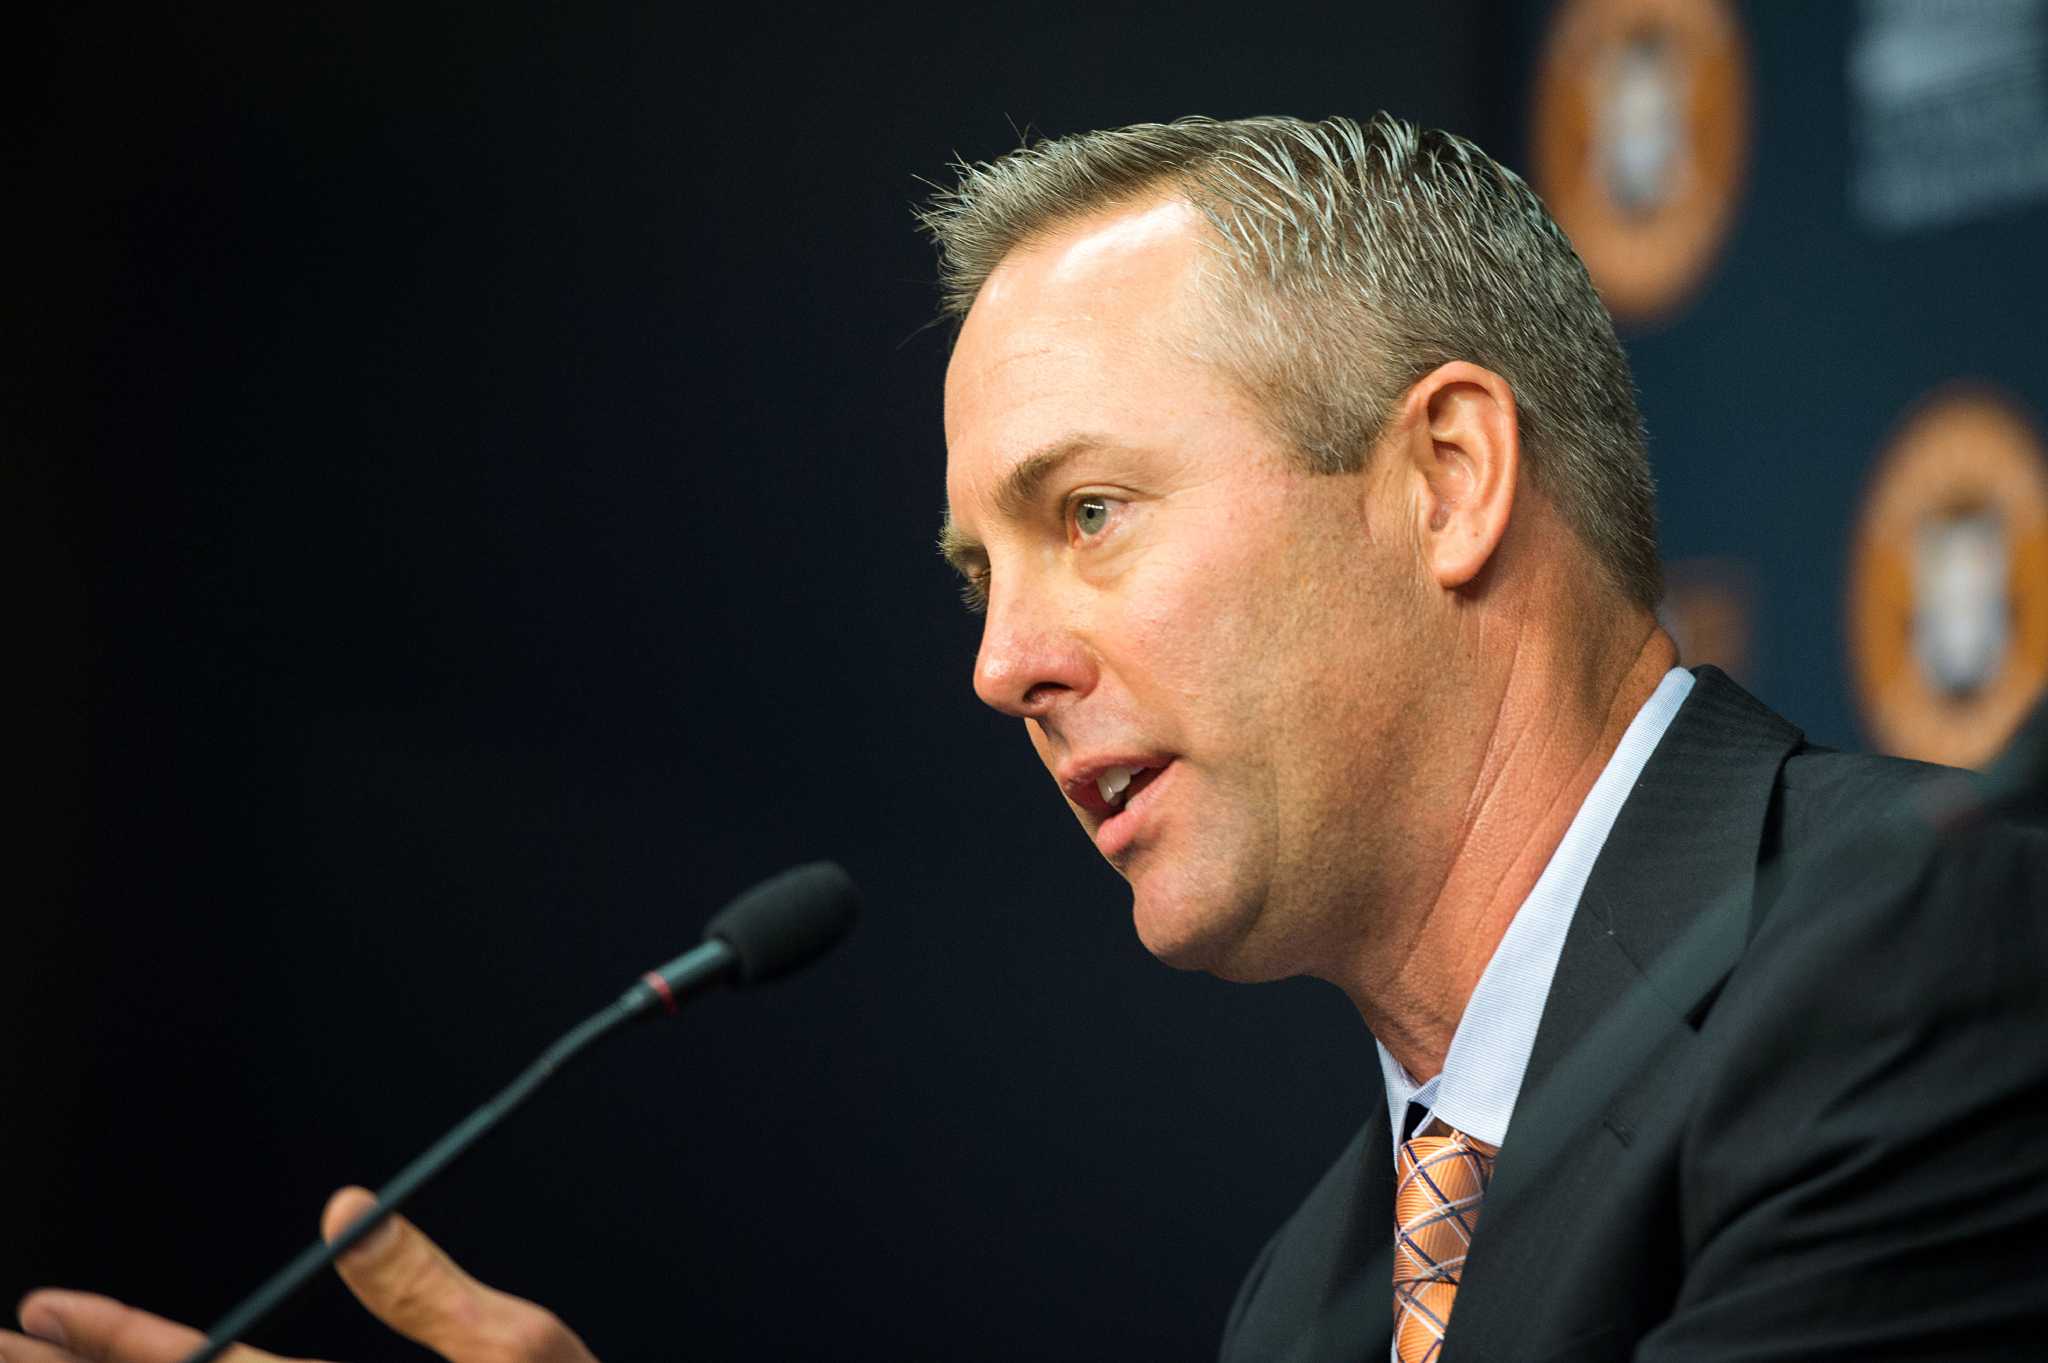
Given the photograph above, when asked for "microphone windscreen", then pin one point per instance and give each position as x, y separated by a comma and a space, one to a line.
787, 920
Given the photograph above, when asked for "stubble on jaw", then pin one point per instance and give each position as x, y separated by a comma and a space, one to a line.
1336, 794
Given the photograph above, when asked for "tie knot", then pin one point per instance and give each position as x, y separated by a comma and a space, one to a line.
1435, 1138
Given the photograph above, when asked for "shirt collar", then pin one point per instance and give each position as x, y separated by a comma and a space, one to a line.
1482, 1074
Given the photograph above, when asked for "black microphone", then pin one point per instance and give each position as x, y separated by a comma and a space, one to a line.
780, 925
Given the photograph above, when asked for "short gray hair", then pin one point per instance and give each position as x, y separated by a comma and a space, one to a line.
1357, 258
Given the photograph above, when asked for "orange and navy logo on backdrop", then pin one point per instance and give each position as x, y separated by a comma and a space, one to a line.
1641, 128
1948, 580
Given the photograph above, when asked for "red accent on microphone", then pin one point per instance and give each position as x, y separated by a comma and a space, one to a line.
660, 986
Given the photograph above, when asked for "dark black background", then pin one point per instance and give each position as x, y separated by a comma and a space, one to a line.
471, 476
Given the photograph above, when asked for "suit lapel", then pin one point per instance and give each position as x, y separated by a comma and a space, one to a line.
1663, 918
1688, 833
1358, 1299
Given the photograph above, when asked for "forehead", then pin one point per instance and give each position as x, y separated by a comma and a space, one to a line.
1072, 329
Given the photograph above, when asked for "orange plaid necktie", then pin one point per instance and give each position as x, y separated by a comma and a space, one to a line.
1441, 1182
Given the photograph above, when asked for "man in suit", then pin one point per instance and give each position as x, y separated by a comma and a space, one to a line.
1298, 472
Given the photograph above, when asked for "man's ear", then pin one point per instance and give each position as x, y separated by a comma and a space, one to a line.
1462, 441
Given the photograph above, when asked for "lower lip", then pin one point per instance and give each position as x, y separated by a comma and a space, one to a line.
1116, 833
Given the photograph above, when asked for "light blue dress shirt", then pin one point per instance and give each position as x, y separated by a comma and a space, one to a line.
1482, 1073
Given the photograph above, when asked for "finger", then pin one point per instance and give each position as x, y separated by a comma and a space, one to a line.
405, 1280
16, 1348
87, 1326
24, 1349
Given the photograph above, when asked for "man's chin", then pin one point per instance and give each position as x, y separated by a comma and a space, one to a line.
1191, 934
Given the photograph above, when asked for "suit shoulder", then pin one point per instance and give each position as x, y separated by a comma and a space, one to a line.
1816, 770
1858, 843
1824, 791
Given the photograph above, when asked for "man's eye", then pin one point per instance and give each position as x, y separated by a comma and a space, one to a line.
1091, 515
974, 591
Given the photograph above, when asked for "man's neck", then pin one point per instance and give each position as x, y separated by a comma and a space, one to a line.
1541, 760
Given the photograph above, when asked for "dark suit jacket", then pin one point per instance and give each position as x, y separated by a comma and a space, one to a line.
1786, 1100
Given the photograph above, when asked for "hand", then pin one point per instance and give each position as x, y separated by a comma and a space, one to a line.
400, 1275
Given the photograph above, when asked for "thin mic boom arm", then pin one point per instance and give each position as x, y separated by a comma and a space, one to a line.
780, 925
691, 973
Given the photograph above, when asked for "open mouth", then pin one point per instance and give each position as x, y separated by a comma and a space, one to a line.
1118, 786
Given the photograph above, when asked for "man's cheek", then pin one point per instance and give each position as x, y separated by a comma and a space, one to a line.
1043, 746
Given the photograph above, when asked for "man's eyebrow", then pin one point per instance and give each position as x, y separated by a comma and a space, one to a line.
960, 549
1017, 494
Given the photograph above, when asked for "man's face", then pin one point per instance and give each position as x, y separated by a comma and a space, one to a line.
1167, 592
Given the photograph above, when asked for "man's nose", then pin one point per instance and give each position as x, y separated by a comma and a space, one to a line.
1030, 660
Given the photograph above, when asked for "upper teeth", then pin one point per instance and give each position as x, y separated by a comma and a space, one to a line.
1114, 781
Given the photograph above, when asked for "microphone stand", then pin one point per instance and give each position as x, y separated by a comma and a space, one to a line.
689, 974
